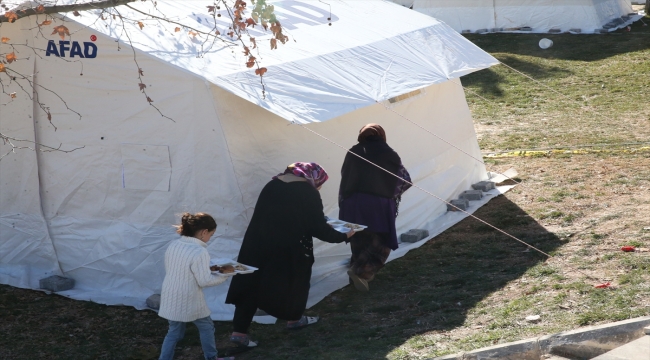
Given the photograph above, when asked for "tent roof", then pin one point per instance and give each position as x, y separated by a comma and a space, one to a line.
374, 50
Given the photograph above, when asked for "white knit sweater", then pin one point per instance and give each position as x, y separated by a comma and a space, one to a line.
187, 267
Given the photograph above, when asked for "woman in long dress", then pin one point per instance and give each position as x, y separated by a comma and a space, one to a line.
278, 241
370, 196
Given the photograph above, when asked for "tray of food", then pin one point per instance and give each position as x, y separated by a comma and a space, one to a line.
227, 267
344, 226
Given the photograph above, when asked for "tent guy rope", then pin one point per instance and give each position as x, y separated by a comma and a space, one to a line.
441, 199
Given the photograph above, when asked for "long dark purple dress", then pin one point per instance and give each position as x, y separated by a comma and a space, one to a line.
370, 196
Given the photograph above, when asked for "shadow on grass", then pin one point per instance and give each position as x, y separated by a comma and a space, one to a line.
430, 290
490, 82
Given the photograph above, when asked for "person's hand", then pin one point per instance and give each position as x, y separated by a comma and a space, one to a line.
350, 233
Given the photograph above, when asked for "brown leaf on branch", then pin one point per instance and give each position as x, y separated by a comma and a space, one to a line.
11, 16
140, 72
247, 51
177, 29
260, 71
5, 40
274, 44
62, 31
192, 33
2, 68
40, 9
76, 13
251, 62
13, 95
149, 99
253, 42
49, 116
211, 8
11, 57
142, 86
46, 22
250, 22
140, 24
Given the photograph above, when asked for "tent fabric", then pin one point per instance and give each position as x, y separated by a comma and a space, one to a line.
541, 15
103, 214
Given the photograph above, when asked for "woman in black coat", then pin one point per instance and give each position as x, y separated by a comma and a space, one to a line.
278, 241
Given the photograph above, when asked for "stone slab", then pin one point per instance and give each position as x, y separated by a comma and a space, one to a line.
638, 349
484, 186
456, 204
584, 343
408, 238
56, 283
471, 195
153, 301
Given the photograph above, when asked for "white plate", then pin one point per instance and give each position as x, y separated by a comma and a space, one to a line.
223, 262
339, 225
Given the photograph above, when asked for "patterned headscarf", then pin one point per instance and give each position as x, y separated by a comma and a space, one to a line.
313, 172
371, 130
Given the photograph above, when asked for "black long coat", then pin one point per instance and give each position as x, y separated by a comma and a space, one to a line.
278, 242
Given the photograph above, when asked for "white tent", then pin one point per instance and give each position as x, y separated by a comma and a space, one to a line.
102, 214
540, 16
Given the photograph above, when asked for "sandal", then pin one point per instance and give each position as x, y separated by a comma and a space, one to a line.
243, 341
303, 322
359, 283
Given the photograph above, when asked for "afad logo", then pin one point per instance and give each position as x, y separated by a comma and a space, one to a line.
89, 50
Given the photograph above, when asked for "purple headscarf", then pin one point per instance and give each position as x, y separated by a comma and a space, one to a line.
313, 172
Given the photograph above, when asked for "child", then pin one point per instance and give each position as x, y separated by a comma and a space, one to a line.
187, 267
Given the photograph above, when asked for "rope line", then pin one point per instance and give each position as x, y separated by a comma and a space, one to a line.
437, 197
447, 142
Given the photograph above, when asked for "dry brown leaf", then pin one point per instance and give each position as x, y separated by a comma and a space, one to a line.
62, 31
5, 40
142, 86
274, 44
40, 9
76, 13
46, 22
140, 72
11, 16
2, 68
11, 57
251, 62
260, 71
149, 99
177, 29
192, 33
252, 39
13, 95
140, 24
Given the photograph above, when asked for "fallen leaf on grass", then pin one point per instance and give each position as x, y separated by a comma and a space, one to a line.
603, 285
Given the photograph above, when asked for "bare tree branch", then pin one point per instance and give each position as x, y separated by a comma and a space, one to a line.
64, 8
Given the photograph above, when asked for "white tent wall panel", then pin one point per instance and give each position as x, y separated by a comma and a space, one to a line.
540, 15
24, 235
109, 237
262, 144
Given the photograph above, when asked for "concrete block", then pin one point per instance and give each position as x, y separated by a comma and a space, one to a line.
153, 301
484, 186
461, 204
593, 341
408, 237
56, 283
526, 28
555, 31
519, 350
575, 30
471, 195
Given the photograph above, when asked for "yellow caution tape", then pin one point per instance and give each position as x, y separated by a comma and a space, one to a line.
548, 153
